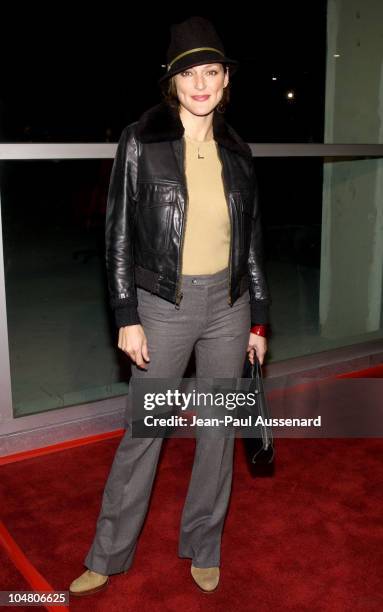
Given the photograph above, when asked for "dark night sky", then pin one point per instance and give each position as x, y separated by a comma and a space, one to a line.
70, 76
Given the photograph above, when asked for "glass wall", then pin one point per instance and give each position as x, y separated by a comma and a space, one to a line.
62, 340
322, 224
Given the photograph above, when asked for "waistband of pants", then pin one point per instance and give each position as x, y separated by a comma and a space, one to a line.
205, 279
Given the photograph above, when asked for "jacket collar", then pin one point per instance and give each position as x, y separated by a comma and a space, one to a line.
162, 123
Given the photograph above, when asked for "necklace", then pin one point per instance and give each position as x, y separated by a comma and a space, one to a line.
200, 145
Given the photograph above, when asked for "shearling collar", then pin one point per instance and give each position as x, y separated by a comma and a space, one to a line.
162, 123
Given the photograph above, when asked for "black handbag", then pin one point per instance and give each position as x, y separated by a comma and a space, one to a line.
259, 449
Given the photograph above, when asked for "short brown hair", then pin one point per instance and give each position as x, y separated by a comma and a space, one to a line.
169, 93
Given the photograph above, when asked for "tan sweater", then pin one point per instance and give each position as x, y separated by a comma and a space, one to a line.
207, 233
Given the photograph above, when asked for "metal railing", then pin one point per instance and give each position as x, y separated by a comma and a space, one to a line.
104, 150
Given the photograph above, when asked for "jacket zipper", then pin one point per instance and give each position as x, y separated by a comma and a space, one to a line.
231, 228
179, 294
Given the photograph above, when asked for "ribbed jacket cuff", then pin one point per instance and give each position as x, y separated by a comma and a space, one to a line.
126, 315
260, 314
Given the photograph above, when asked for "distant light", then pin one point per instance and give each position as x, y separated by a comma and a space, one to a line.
290, 94
274, 78
336, 55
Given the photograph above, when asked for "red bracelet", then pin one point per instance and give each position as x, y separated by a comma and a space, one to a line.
260, 330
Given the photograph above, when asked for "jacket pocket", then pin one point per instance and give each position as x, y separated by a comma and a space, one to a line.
154, 216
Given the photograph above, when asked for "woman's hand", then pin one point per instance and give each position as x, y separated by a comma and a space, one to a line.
259, 345
132, 340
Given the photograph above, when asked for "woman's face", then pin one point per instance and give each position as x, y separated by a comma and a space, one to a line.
200, 88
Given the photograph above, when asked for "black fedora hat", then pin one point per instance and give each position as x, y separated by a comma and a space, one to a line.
194, 42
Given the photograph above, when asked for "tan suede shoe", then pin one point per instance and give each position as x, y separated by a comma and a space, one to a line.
89, 582
206, 578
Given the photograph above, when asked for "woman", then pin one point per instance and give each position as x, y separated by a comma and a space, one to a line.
185, 271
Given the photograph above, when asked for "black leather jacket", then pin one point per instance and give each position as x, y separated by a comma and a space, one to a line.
147, 209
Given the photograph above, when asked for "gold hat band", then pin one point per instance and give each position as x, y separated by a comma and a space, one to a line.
193, 51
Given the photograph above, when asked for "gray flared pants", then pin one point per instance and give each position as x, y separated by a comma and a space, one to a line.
219, 334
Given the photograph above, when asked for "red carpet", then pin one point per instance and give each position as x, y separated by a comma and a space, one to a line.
13, 580
308, 537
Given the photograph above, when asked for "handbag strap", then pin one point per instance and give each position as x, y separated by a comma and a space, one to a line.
256, 372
